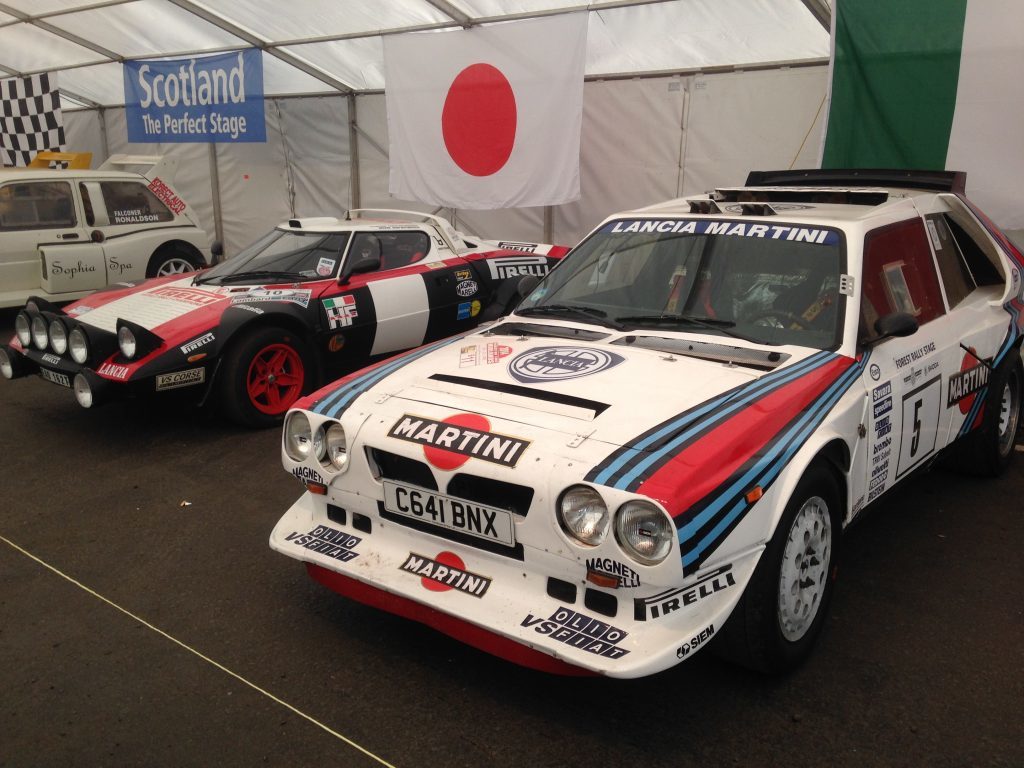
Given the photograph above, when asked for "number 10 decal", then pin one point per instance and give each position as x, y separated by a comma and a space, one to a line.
921, 408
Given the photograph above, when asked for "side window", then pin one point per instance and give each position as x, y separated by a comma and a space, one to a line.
956, 277
131, 202
36, 205
90, 217
899, 276
400, 249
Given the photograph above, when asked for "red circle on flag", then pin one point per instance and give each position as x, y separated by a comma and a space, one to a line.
449, 460
478, 120
445, 558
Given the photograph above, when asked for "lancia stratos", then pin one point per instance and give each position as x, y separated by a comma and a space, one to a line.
659, 449
309, 301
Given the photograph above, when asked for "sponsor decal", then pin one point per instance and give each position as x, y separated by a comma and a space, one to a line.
729, 228
70, 272
468, 309
307, 473
671, 600
327, 541
883, 427
463, 274
54, 377
51, 359
446, 572
580, 631
524, 247
80, 310
290, 295
177, 379
166, 195
325, 267
914, 356
481, 354
695, 642
973, 376
880, 392
560, 363
195, 296
466, 288
337, 343
133, 216
196, 343
249, 307
514, 266
875, 372
882, 408
604, 565
858, 505
113, 265
341, 310
874, 493
451, 443
113, 371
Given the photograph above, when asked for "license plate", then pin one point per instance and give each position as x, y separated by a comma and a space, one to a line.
454, 514
56, 378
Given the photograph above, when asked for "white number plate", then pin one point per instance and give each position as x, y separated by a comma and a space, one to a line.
447, 512
56, 378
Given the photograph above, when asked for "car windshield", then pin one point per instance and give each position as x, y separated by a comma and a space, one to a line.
773, 284
283, 256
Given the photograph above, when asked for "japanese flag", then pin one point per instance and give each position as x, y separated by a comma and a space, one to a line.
487, 117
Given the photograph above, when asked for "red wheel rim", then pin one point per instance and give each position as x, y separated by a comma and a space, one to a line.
275, 379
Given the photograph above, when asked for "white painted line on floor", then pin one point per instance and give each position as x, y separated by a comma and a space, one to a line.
193, 651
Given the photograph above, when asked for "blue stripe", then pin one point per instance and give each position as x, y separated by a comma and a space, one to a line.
769, 465
736, 401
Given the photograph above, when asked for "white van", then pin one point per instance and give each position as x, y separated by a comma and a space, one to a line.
66, 232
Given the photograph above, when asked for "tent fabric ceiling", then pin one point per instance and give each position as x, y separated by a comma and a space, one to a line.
331, 46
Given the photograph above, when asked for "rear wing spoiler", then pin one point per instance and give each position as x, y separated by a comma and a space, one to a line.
75, 160
936, 181
150, 166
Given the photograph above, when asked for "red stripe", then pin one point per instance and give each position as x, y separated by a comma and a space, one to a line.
463, 631
705, 464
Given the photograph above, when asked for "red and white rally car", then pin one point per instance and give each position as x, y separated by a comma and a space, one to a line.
662, 445
312, 299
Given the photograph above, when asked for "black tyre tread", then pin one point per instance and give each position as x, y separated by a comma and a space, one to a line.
751, 637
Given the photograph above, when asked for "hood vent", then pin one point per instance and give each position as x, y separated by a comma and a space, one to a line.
594, 406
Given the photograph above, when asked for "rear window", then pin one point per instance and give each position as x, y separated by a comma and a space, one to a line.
130, 202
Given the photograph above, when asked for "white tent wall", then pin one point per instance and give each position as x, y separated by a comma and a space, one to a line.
644, 140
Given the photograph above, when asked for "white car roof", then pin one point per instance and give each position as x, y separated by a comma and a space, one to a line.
59, 174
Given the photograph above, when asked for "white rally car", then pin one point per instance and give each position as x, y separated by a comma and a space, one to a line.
66, 232
662, 445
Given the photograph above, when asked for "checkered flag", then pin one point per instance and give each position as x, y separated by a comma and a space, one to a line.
30, 119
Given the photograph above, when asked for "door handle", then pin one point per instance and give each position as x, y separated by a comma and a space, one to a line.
69, 236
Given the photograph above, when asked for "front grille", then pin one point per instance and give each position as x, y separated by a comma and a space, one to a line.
402, 469
494, 493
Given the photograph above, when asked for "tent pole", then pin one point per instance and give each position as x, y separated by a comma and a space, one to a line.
103, 132
353, 148
549, 223
218, 224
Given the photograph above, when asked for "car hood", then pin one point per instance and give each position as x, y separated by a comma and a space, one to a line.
609, 391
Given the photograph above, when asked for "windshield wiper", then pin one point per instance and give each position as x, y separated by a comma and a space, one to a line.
258, 274
712, 323
592, 314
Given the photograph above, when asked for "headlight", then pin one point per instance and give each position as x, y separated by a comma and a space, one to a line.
58, 337
337, 446
40, 336
298, 436
78, 344
23, 327
584, 514
6, 366
126, 341
83, 392
644, 531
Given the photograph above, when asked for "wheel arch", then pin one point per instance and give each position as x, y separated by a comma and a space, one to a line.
253, 323
179, 245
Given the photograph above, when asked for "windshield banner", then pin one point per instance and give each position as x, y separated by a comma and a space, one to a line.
734, 228
198, 99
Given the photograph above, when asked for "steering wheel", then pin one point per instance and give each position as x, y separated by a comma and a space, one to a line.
781, 318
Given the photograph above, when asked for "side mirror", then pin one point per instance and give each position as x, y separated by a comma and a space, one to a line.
359, 265
895, 324
526, 285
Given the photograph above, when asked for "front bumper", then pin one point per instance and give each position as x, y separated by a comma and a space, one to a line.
539, 611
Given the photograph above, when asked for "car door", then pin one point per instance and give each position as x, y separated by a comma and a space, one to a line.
35, 213
906, 376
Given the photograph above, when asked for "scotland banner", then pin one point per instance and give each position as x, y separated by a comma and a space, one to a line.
200, 99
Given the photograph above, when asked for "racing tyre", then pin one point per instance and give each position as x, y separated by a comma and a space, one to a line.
262, 375
777, 620
987, 451
173, 260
